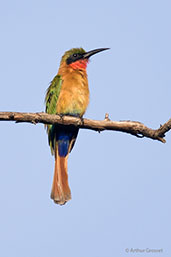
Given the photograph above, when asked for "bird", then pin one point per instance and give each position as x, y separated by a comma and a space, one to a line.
67, 94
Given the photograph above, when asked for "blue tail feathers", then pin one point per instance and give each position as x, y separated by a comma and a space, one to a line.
65, 138
63, 144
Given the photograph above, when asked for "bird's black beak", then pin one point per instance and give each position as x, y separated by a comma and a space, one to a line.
92, 52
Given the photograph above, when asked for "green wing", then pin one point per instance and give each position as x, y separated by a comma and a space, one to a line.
51, 99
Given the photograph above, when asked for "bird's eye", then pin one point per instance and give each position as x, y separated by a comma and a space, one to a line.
74, 55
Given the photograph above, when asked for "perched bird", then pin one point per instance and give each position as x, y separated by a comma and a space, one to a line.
68, 94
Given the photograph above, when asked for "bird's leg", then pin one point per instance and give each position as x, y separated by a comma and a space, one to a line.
82, 120
61, 116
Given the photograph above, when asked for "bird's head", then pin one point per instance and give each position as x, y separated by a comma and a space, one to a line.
77, 58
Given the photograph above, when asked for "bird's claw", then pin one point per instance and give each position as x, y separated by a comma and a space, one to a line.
82, 120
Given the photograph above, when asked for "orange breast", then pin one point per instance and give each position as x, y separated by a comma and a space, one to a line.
74, 95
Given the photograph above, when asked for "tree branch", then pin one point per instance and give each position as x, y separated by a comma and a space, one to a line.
134, 128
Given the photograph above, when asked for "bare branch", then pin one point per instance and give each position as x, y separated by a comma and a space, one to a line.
134, 128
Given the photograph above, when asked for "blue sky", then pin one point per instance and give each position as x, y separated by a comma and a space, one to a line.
120, 184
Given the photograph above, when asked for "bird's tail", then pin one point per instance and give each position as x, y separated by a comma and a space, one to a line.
60, 189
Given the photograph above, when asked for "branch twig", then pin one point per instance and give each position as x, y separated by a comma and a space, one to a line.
135, 128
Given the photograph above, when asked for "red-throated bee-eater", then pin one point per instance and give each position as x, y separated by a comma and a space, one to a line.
68, 94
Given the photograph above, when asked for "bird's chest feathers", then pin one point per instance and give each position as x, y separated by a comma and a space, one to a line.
74, 95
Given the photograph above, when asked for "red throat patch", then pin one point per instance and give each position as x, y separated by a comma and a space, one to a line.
80, 64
